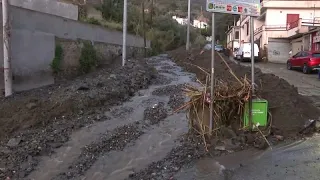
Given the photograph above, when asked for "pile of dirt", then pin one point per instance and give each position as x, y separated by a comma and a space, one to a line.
36, 122
289, 110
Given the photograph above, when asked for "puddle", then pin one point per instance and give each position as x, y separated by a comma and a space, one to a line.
152, 146
255, 164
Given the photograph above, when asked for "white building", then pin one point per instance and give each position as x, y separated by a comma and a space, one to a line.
281, 27
182, 21
200, 24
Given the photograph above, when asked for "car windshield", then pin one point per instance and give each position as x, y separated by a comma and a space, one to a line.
316, 55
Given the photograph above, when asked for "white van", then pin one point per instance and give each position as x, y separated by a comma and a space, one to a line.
244, 52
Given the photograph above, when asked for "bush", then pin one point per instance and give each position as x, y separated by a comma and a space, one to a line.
93, 21
56, 62
88, 57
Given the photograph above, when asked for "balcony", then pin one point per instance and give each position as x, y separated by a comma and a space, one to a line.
290, 30
302, 26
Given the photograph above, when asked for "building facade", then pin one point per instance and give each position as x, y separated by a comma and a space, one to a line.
282, 26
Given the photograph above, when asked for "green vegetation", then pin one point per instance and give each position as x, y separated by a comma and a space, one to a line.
88, 57
163, 32
56, 62
93, 21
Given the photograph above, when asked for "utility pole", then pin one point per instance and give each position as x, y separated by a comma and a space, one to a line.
124, 30
144, 31
213, 39
188, 26
6, 49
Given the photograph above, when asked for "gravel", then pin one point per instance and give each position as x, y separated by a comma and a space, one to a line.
176, 101
155, 114
169, 90
36, 122
115, 140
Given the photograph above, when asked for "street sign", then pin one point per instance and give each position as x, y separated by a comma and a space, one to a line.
242, 7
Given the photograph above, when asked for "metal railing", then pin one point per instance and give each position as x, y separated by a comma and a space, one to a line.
258, 30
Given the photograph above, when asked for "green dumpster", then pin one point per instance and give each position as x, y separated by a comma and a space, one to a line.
259, 112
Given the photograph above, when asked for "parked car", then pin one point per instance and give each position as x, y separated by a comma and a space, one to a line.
306, 61
219, 48
244, 52
208, 46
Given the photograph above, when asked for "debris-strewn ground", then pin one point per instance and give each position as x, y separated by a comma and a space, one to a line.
289, 110
34, 123
138, 139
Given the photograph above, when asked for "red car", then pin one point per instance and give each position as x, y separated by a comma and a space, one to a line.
307, 61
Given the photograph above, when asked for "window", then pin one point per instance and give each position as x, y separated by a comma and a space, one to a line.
237, 35
305, 54
297, 55
247, 28
316, 55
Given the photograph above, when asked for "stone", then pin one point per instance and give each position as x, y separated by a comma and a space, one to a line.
113, 76
13, 142
4, 150
31, 105
279, 138
220, 148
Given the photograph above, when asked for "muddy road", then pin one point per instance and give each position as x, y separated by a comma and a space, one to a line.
140, 138
135, 137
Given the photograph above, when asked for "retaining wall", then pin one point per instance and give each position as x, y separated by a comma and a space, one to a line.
33, 44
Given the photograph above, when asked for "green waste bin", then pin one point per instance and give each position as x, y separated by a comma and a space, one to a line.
259, 113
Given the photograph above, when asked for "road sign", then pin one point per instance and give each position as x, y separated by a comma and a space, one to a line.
243, 7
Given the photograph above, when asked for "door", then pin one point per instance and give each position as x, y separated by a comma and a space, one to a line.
295, 60
303, 59
278, 50
292, 21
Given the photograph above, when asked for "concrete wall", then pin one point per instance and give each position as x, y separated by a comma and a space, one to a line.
33, 44
31, 55
69, 29
52, 7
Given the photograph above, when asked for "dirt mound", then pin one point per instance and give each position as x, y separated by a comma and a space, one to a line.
289, 109
34, 123
106, 86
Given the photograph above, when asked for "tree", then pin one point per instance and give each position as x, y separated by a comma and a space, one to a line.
112, 10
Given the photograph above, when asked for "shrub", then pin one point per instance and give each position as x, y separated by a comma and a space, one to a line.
93, 21
88, 57
56, 62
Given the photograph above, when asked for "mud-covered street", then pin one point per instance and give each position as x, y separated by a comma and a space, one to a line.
307, 84
118, 123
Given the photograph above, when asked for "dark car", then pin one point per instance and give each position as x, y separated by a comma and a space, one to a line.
306, 61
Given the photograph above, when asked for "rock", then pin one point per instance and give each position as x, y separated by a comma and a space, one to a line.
279, 138
31, 105
13, 142
220, 148
4, 150
113, 76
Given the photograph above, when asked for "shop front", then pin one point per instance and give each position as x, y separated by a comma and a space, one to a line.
316, 41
